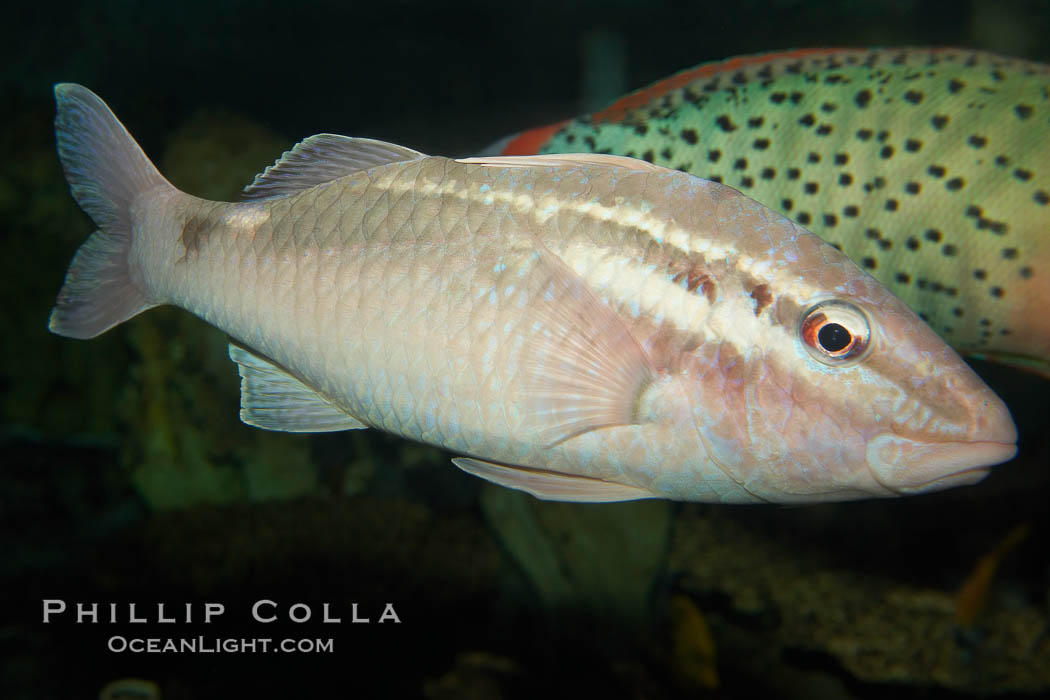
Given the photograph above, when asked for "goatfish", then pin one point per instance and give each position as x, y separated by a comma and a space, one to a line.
580, 327
930, 168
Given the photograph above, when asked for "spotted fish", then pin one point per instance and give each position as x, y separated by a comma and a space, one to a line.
590, 328
928, 167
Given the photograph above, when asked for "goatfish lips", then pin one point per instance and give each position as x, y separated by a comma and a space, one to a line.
909, 466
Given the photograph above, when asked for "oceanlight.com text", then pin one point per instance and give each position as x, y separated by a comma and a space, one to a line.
218, 645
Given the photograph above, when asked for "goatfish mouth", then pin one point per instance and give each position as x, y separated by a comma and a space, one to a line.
908, 466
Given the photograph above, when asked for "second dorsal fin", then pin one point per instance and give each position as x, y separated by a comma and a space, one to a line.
323, 158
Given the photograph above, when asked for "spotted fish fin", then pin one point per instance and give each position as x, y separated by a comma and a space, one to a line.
551, 486
323, 158
581, 367
566, 159
272, 399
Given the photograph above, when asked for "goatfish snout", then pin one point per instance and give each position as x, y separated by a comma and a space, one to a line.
582, 327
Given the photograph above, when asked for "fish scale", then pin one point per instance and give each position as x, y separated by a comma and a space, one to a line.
586, 328
929, 168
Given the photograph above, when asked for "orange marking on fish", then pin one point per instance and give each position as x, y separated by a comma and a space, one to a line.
528, 142
617, 110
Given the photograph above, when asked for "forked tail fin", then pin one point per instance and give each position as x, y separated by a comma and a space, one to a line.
106, 171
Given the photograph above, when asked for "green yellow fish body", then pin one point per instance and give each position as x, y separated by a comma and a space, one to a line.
585, 328
930, 168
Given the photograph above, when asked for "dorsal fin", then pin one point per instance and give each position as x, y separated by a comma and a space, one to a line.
323, 158
576, 159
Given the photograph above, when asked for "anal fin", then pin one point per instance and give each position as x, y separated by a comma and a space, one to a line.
272, 399
551, 486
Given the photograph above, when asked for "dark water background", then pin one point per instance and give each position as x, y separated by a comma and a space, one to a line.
376, 520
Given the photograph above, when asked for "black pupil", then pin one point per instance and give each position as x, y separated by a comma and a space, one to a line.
833, 337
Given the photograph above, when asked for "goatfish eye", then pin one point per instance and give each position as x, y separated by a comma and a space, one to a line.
835, 333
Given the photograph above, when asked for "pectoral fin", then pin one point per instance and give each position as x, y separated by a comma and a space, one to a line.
272, 399
551, 486
582, 367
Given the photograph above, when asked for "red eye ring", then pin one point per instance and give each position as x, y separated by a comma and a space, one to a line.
835, 332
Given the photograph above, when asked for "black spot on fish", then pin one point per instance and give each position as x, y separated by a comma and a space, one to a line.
957, 312
1002, 161
725, 123
649, 156
807, 120
1023, 111
794, 173
997, 292
589, 140
955, 184
777, 98
939, 121
851, 211
955, 85
641, 129
885, 243
690, 136
714, 155
740, 164
787, 204
933, 234
865, 134
902, 278
1026, 272
811, 187
760, 144
1041, 197
796, 97
666, 154
768, 173
845, 179
1009, 253
715, 178
804, 218
937, 170
882, 136
977, 141
912, 243
873, 233
997, 227
828, 107
863, 98
913, 96
912, 188
997, 76
824, 130
813, 157
879, 182
949, 250
841, 159
912, 145
830, 219
886, 152
869, 263
891, 205
1022, 174
747, 182
756, 122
